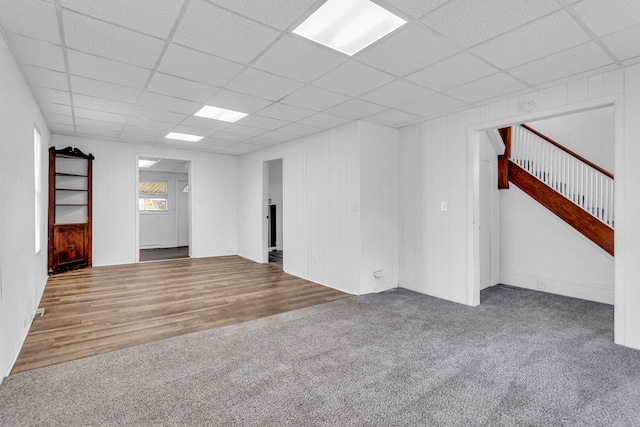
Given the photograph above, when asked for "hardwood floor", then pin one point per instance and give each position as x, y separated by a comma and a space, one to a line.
101, 309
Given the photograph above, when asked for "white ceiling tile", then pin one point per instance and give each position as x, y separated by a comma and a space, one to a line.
396, 93
263, 84
416, 8
279, 136
244, 130
93, 133
299, 129
469, 22
314, 98
155, 17
433, 105
98, 124
180, 88
624, 44
261, 122
299, 59
572, 61
156, 114
168, 103
276, 13
538, 39
226, 136
241, 148
211, 29
139, 137
105, 90
396, 53
101, 104
353, 78
35, 19
486, 88
99, 115
451, 72
57, 118
98, 38
150, 124
213, 142
201, 67
325, 121
262, 141
55, 96
393, 118
46, 78
93, 67
606, 17
203, 123
356, 109
49, 108
237, 101
38, 53
285, 112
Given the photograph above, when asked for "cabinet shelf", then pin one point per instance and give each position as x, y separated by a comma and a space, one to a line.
71, 174
71, 204
70, 189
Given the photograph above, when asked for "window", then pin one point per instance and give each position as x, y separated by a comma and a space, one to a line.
37, 185
153, 196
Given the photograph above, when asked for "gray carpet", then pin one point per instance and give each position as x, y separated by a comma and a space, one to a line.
392, 359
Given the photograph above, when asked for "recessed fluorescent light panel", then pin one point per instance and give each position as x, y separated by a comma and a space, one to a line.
145, 163
222, 114
184, 137
349, 26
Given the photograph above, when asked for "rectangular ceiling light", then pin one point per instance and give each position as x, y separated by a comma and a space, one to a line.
222, 114
349, 26
144, 163
184, 137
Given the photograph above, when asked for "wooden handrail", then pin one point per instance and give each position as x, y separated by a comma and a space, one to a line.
566, 150
503, 159
572, 214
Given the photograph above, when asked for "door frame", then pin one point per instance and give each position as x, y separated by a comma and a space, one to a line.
136, 213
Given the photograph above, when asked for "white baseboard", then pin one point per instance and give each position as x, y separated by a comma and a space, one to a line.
587, 291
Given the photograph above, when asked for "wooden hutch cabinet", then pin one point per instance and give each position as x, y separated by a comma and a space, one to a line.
70, 200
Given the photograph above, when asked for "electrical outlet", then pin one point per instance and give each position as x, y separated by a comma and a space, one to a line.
541, 284
378, 274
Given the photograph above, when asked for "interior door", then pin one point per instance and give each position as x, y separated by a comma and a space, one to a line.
485, 224
183, 213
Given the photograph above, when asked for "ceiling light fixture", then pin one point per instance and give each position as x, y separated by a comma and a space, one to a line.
222, 114
349, 26
184, 137
145, 163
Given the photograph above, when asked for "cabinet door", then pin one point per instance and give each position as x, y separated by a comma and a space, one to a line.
70, 246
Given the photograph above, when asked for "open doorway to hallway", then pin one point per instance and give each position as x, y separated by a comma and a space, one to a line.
163, 208
274, 223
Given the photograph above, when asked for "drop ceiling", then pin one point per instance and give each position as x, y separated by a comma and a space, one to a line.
135, 70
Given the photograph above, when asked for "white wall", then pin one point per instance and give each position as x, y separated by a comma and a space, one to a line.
160, 229
23, 273
540, 251
324, 207
213, 194
275, 194
587, 133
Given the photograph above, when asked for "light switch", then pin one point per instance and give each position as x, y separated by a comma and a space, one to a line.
444, 206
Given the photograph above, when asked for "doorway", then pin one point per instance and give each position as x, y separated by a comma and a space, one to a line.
163, 208
273, 205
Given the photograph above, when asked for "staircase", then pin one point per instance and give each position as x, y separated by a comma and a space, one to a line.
576, 190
